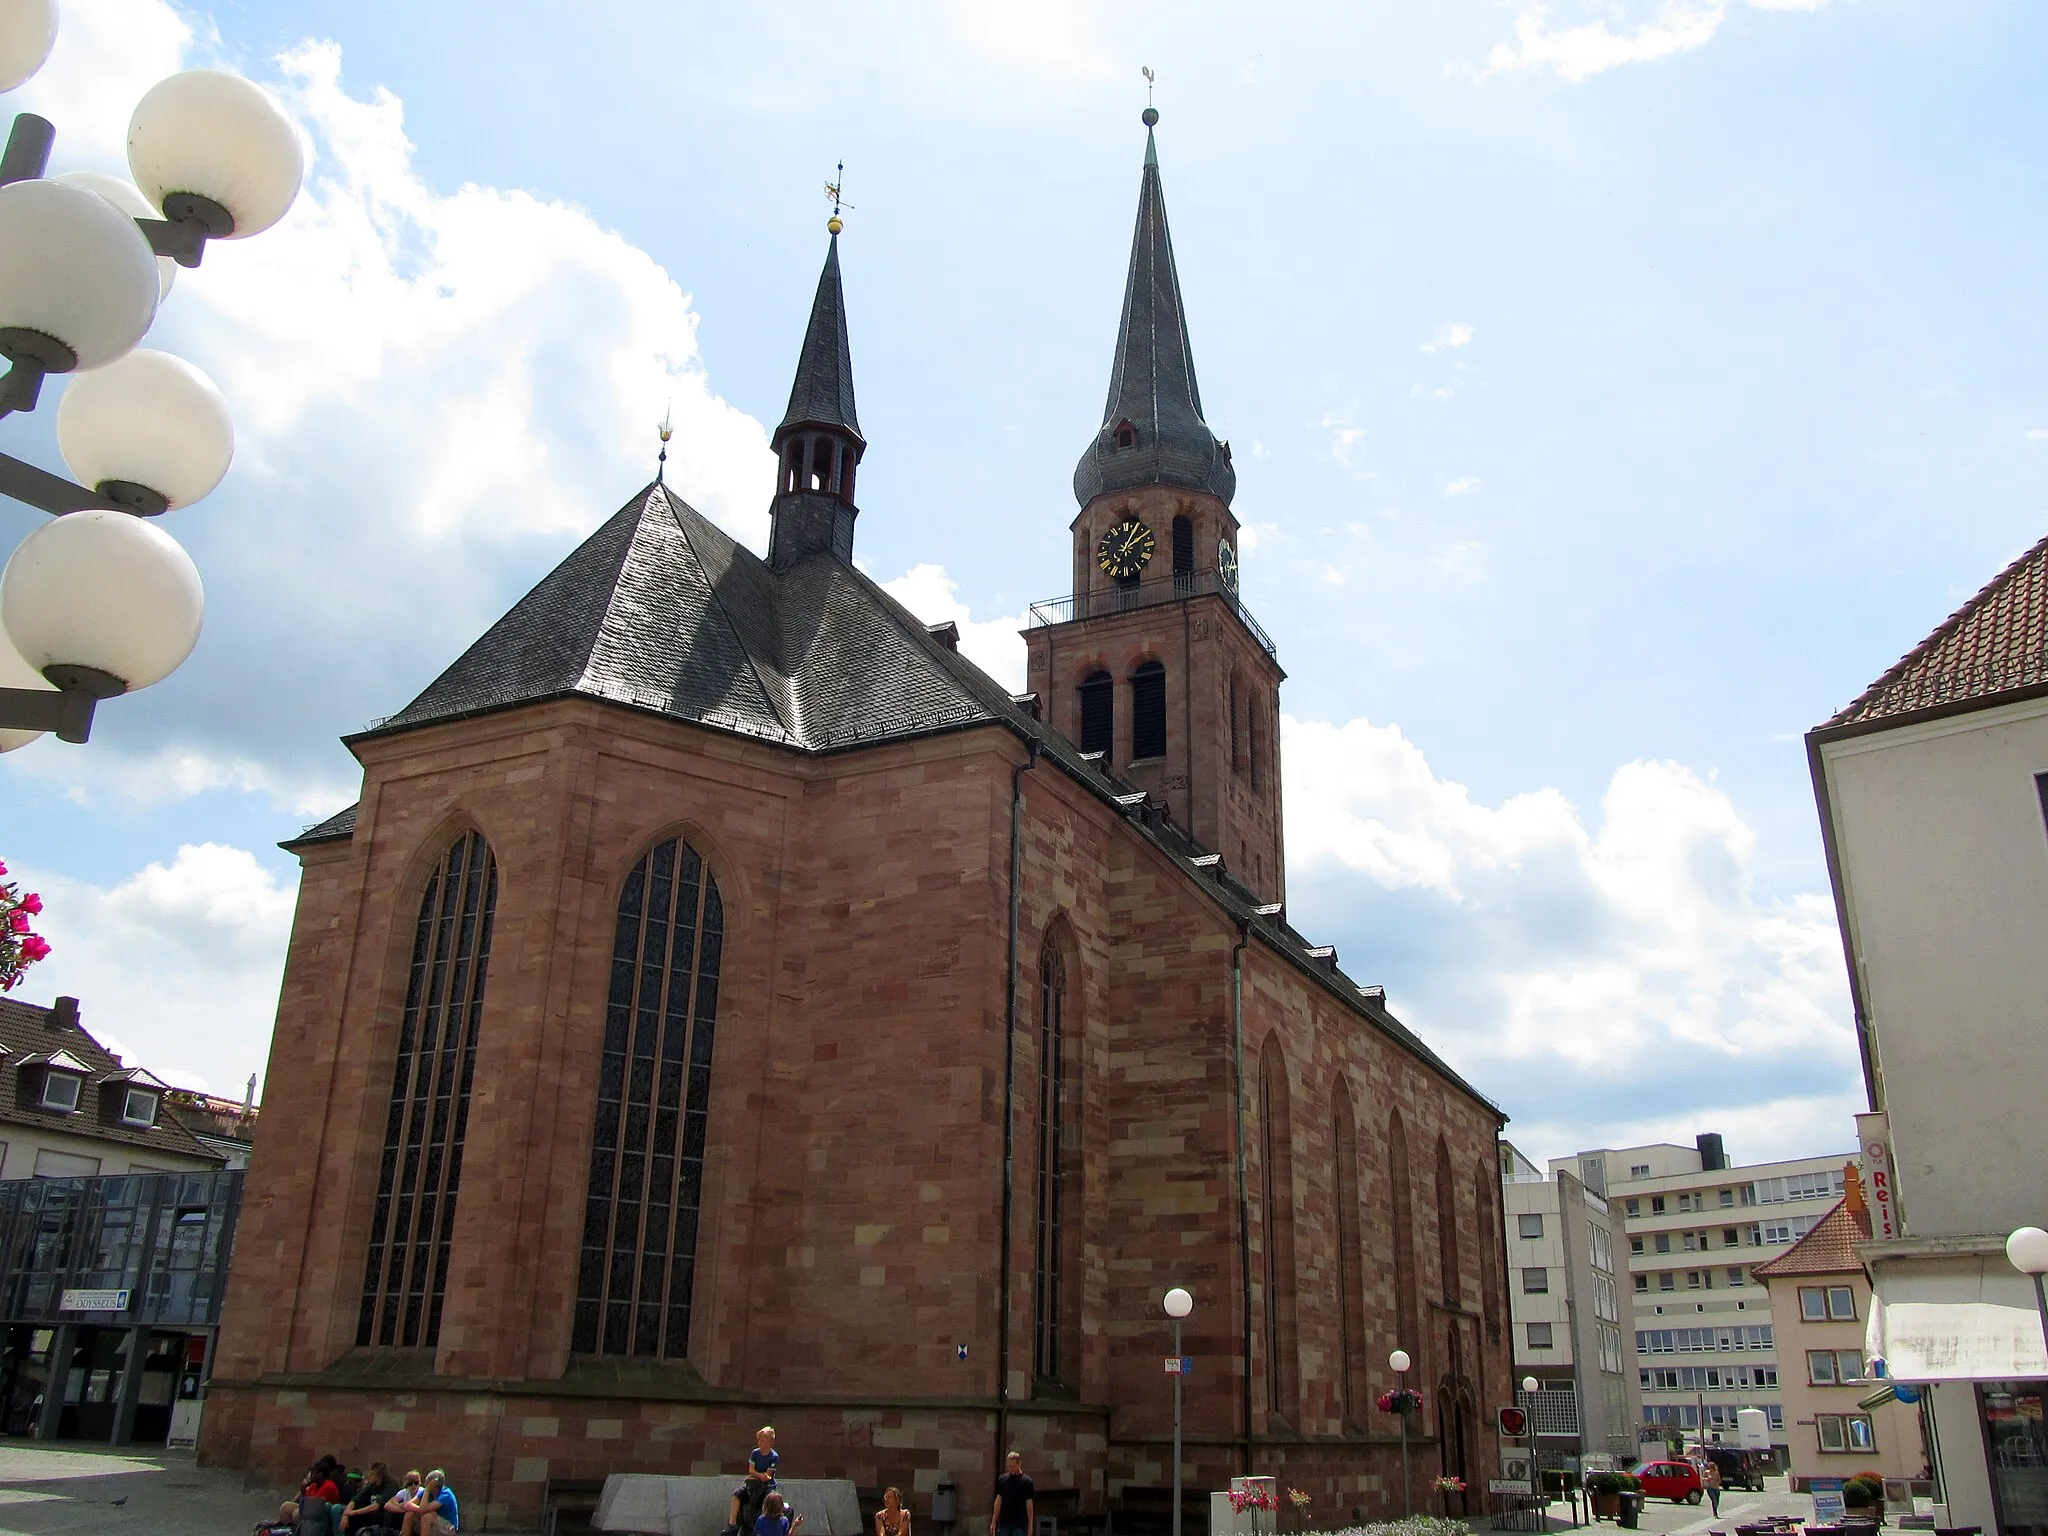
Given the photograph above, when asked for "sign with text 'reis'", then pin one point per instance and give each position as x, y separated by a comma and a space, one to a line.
1874, 1133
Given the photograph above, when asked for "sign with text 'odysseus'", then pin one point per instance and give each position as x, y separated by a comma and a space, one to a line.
95, 1301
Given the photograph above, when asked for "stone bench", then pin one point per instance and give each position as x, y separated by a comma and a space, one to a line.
642, 1504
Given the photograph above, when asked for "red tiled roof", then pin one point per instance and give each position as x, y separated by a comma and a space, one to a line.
1994, 644
1829, 1249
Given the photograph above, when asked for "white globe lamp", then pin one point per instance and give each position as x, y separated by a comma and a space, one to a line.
2028, 1250
150, 421
1179, 1303
74, 270
1400, 1362
212, 135
127, 197
102, 591
28, 30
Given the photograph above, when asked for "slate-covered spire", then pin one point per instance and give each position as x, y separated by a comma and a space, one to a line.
1152, 429
818, 443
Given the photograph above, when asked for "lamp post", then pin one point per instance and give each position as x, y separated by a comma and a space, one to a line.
101, 601
1178, 1305
2027, 1248
1400, 1362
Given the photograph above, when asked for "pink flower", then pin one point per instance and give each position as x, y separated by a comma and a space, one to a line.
17, 922
32, 902
33, 947
3, 869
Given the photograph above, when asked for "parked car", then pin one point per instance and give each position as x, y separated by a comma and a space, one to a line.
1678, 1481
1739, 1469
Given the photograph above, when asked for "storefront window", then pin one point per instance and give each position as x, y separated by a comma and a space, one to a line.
2017, 1448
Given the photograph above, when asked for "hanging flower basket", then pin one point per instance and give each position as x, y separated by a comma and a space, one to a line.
1401, 1400
20, 945
1255, 1496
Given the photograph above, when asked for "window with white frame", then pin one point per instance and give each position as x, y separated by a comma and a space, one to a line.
1529, 1225
1663, 1243
1535, 1282
61, 1091
138, 1107
1642, 1284
1635, 1245
1656, 1205
1727, 1197
1633, 1206
1603, 1249
1827, 1303
1842, 1303
1539, 1335
1667, 1281
1731, 1237
1834, 1367
1799, 1186
1605, 1306
1735, 1275
1639, 1170
1844, 1432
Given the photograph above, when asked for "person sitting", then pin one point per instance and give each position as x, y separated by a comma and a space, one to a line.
434, 1513
774, 1518
365, 1510
748, 1499
400, 1505
286, 1522
892, 1519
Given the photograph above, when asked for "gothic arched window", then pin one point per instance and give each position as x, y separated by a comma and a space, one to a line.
1350, 1261
1098, 712
1401, 1207
406, 1277
1485, 1223
1276, 1163
1236, 728
1052, 1201
1148, 711
634, 1277
1447, 1227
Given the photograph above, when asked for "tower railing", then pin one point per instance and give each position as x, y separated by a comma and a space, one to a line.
1161, 590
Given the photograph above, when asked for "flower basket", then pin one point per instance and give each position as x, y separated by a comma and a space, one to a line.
1400, 1400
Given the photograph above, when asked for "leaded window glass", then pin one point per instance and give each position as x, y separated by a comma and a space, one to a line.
637, 1265
406, 1276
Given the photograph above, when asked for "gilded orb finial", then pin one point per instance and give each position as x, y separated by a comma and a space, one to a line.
835, 224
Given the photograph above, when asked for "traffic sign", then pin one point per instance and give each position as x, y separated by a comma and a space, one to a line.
1514, 1423
1180, 1365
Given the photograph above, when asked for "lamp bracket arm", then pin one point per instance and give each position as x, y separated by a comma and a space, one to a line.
68, 713
189, 222
50, 493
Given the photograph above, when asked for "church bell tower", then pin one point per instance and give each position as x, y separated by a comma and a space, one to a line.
1152, 660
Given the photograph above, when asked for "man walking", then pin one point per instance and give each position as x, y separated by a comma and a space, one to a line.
1016, 1511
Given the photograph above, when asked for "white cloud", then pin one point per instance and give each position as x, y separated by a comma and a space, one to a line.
1464, 485
1463, 561
176, 967
1590, 952
1614, 33
2038, 435
994, 645
1450, 336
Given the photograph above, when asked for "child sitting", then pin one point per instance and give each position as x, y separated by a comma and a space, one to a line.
774, 1518
748, 1499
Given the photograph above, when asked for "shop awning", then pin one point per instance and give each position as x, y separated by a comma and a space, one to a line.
1953, 1335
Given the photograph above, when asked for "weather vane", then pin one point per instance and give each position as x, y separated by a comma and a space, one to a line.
835, 223
1151, 113
665, 431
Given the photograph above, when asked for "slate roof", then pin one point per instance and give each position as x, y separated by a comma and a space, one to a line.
823, 392
1993, 646
1152, 382
28, 1036
1829, 1249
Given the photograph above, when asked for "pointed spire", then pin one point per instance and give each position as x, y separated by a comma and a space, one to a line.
1152, 429
823, 393
818, 444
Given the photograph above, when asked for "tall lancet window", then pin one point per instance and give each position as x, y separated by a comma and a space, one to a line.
406, 1277
1052, 1200
1276, 1198
634, 1279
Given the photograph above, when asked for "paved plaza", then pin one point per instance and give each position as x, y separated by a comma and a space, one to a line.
49, 1489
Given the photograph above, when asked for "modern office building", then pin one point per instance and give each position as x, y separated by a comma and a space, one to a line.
1696, 1228
1565, 1279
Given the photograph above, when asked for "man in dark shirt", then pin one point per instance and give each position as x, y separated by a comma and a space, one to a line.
1015, 1512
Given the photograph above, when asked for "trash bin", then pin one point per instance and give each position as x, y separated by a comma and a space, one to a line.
1631, 1510
945, 1502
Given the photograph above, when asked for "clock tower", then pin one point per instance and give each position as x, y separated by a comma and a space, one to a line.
1153, 660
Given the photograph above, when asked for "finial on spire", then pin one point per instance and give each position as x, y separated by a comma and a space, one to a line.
835, 223
1150, 115
665, 431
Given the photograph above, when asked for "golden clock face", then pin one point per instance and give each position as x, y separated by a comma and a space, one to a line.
1125, 549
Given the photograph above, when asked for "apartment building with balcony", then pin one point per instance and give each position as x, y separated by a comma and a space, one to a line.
1566, 1275
1696, 1227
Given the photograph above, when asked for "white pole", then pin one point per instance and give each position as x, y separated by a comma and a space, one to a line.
1179, 1360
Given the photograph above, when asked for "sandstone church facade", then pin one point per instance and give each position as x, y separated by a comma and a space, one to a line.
726, 1003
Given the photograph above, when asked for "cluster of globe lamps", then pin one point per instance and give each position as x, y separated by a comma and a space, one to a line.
101, 601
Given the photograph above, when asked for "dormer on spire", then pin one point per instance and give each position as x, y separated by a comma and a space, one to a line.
1152, 429
818, 444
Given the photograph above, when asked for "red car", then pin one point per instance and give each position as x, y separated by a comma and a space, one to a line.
1678, 1481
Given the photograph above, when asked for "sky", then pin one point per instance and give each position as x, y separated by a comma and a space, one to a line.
1617, 388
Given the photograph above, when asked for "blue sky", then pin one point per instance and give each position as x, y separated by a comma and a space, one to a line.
1617, 388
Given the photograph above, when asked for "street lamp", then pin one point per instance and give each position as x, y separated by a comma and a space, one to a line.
2028, 1250
1400, 1362
100, 602
1178, 1305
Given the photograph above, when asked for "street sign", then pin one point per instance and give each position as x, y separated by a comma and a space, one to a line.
94, 1301
1511, 1486
1180, 1365
1514, 1423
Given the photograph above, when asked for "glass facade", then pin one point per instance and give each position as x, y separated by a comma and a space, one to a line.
162, 1237
2016, 1446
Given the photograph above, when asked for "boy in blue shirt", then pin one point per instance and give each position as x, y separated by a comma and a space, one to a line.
749, 1498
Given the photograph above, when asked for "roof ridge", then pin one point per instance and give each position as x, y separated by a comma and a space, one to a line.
736, 551
1900, 669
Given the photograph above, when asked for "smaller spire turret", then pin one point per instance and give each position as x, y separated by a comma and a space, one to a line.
818, 443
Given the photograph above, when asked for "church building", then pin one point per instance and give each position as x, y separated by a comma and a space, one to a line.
726, 1004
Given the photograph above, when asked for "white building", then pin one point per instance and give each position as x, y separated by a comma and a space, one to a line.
1933, 787
1695, 1227
1564, 1296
